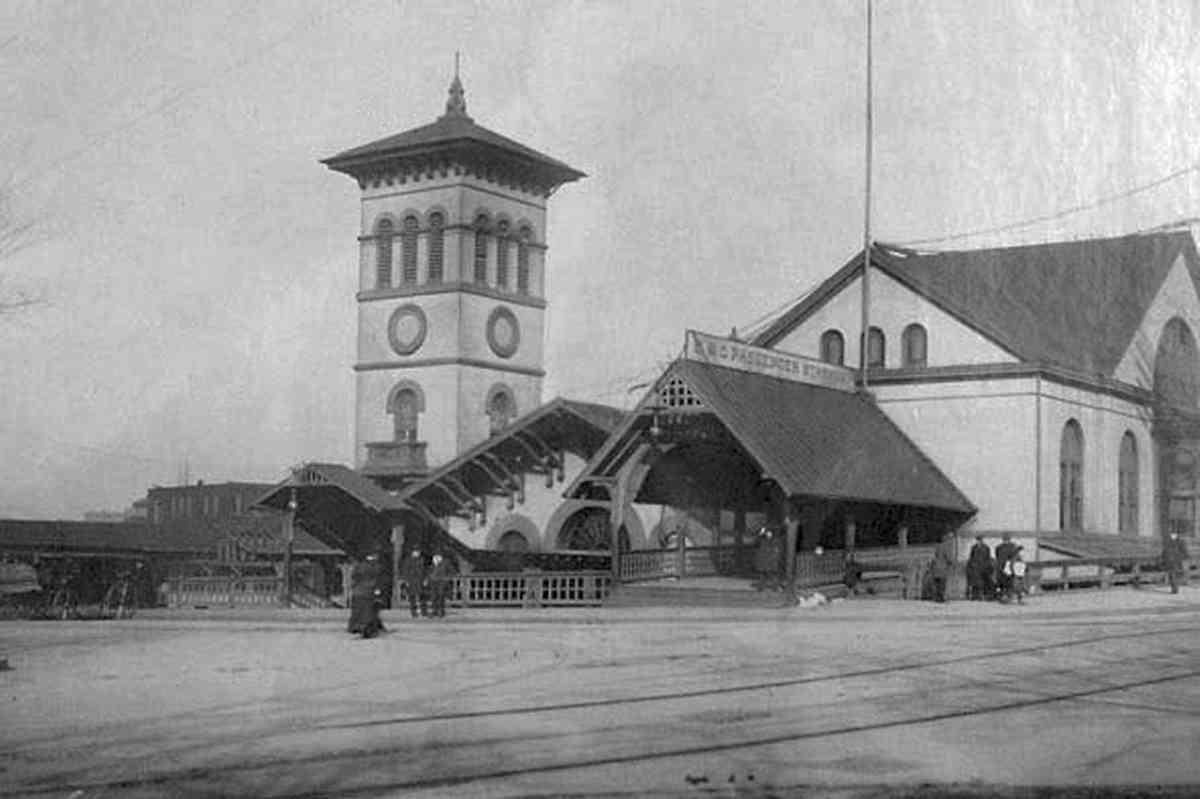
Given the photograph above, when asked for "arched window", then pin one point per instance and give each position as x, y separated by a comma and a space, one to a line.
501, 408
408, 250
913, 344
384, 231
1177, 366
481, 245
502, 254
875, 347
512, 541
437, 246
406, 407
833, 347
1127, 486
1070, 478
524, 236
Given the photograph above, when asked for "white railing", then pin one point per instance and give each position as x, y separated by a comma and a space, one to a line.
524, 589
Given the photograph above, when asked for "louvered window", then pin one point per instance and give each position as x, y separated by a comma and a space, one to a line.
481, 246
523, 238
502, 255
409, 250
383, 253
437, 246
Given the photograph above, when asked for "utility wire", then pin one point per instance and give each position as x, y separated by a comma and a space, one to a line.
1058, 214
766, 319
177, 96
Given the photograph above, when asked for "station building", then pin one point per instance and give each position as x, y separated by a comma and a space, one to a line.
1047, 391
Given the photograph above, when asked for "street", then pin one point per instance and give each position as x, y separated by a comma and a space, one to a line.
1079, 689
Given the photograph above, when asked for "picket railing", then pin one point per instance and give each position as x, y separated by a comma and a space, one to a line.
524, 589
223, 591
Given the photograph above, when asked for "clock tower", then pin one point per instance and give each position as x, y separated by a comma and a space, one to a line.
451, 300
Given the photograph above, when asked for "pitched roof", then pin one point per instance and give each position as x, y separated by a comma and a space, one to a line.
813, 441
363, 489
577, 427
451, 135
1074, 304
820, 442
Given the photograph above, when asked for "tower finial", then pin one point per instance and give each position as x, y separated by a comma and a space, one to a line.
456, 103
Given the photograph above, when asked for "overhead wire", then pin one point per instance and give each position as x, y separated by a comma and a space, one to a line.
1029, 222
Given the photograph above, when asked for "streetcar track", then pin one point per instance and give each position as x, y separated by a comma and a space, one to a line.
759, 686
204, 771
448, 781
658, 697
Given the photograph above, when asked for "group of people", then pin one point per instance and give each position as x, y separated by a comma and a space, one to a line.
996, 577
428, 585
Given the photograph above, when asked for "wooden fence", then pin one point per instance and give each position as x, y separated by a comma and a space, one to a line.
1068, 573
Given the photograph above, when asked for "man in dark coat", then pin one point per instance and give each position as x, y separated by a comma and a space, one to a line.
767, 559
1174, 558
412, 571
979, 570
364, 597
1004, 553
441, 580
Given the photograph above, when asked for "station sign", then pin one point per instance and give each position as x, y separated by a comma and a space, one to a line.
704, 348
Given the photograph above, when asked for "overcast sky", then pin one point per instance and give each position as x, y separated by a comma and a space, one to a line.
199, 265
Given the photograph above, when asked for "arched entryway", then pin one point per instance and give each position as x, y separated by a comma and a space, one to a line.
1177, 426
587, 529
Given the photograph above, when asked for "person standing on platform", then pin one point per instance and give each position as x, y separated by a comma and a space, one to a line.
365, 597
1174, 558
791, 538
942, 568
1004, 554
766, 559
412, 571
441, 580
979, 570
1016, 576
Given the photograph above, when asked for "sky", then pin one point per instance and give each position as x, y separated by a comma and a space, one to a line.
197, 265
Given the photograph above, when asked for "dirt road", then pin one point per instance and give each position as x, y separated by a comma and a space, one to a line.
1087, 689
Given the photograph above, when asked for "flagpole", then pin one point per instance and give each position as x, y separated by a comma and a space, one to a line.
864, 340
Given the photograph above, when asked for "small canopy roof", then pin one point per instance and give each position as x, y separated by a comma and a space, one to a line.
533, 443
815, 442
337, 506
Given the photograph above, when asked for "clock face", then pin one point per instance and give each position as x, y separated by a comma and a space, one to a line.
503, 332
406, 329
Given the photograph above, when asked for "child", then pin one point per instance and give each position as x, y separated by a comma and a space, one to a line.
1015, 568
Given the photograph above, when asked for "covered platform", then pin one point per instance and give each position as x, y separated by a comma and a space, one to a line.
754, 440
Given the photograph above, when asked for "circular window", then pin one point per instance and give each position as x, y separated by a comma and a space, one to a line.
503, 332
407, 328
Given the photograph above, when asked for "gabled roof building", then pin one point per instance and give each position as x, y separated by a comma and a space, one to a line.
1055, 384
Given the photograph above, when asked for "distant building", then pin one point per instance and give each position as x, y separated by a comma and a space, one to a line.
209, 501
139, 510
104, 516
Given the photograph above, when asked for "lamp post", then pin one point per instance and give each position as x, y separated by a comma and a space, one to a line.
289, 537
